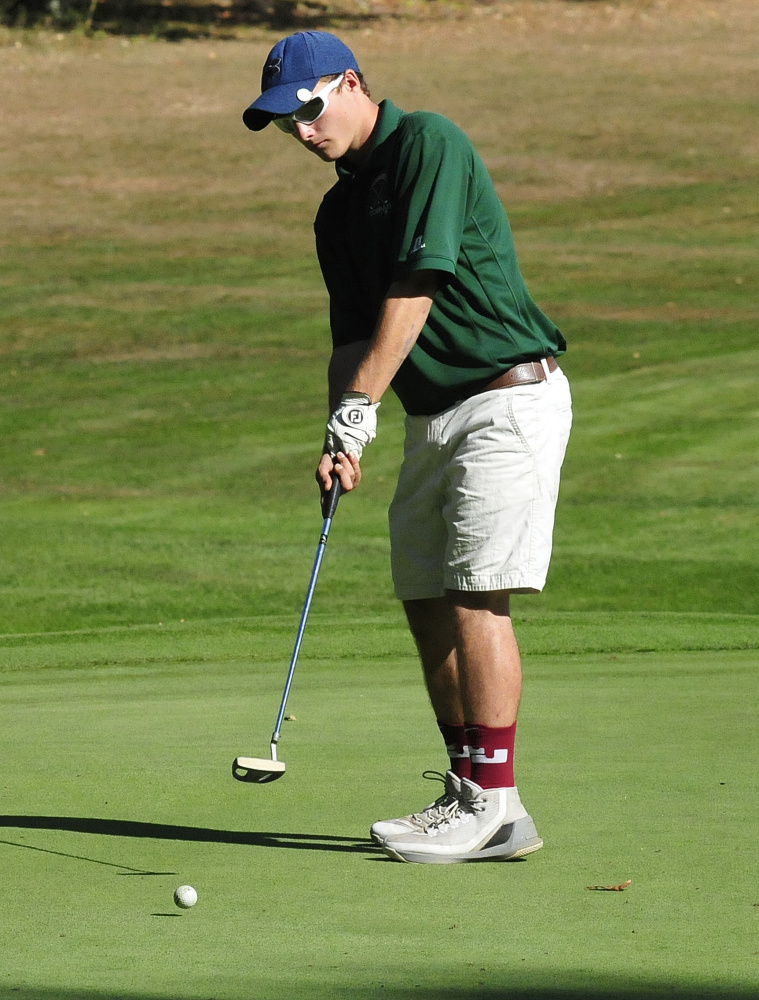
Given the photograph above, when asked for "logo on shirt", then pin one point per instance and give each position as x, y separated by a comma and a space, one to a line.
379, 196
418, 245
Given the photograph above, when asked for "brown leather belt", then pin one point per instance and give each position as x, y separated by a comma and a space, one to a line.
524, 374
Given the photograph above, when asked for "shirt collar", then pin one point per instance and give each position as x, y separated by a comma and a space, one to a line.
387, 122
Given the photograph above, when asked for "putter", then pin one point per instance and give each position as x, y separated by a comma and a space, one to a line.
260, 770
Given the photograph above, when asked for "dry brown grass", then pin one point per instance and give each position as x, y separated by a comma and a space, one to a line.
144, 139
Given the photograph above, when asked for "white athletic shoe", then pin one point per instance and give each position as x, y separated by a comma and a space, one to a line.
416, 822
480, 824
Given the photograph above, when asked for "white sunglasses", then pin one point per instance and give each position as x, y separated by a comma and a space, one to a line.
314, 107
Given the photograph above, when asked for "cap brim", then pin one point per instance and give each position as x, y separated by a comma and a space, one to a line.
280, 100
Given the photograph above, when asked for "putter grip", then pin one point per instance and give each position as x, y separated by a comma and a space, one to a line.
329, 500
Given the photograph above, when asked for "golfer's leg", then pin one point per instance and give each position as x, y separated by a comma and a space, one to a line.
473, 673
433, 627
469, 655
489, 668
467, 643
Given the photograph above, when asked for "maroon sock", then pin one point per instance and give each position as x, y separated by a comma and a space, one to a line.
491, 752
456, 745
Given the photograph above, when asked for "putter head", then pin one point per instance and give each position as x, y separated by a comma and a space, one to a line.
257, 770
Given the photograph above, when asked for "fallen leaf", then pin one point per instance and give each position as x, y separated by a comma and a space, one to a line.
611, 888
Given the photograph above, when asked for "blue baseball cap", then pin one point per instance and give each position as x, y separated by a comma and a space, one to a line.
298, 61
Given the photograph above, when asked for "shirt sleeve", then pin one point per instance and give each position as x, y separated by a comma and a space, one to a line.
433, 183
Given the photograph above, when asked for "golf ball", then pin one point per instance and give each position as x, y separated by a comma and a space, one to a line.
185, 897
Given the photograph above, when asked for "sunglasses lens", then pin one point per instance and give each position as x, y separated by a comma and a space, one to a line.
286, 125
309, 112
305, 115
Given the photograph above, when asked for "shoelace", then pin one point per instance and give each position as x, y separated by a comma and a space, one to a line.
436, 811
449, 816
455, 814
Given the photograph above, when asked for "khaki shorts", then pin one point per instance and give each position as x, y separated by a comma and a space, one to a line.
476, 496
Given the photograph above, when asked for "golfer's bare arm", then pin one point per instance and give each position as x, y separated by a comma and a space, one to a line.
370, 365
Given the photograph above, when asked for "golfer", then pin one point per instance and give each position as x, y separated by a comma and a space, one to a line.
426, 296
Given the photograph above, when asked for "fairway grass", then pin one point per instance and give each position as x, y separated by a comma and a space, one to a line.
117, 787
164, 334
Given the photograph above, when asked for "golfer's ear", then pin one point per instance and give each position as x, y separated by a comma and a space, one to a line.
350, 80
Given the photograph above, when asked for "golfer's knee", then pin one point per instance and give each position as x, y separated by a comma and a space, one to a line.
493, 601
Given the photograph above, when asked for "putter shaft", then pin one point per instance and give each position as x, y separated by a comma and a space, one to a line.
301, 632
252, 768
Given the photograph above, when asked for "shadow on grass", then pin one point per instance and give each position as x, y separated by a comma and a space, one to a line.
596, 989
125, 869
164, 831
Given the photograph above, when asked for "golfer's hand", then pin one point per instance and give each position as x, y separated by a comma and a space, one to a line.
346, 467
352, 426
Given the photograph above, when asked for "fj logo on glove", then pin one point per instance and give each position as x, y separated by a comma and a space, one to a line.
353, 425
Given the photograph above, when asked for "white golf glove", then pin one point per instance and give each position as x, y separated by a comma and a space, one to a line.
352, 426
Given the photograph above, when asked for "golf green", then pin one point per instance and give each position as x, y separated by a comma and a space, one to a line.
117, 787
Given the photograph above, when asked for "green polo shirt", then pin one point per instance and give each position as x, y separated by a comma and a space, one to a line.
424, 200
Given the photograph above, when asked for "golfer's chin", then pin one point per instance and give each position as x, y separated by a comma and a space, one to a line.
326, 149
325, 153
